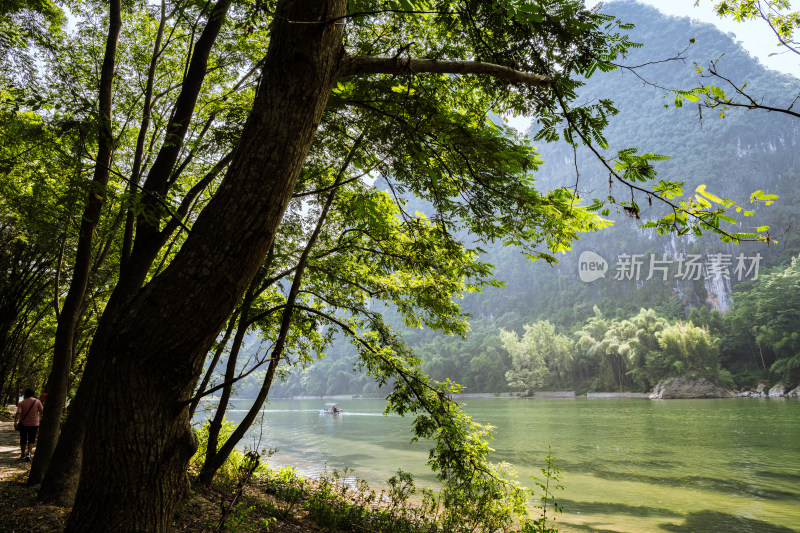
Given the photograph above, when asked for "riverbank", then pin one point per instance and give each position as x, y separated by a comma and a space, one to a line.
271, 499
763, 390
686, 388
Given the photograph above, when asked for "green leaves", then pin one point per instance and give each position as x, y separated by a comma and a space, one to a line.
703, 195
527, 13
668, 189
711, 96
775, 12
634, 167
760, 195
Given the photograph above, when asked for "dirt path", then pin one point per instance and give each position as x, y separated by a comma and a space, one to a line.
19, 510
11, 468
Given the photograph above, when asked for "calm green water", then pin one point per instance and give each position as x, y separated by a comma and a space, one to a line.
629, 465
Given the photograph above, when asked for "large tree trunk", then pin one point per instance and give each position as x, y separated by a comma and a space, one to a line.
63, 353
139, 440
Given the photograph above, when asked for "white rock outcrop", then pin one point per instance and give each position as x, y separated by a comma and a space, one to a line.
676, 388
779, 390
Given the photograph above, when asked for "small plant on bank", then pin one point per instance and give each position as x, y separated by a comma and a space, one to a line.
423, 513
234, 515
335, 505
287, 485
238, 520
340, 502
550, 482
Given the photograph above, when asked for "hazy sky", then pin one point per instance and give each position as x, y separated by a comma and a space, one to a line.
755, 35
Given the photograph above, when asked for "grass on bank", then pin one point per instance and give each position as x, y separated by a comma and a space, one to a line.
254, 496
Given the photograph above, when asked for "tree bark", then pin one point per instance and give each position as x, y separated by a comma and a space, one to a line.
71, 311
138, 434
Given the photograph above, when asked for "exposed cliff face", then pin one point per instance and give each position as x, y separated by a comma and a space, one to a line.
676, 388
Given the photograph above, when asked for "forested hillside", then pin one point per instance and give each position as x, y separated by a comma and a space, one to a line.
733, 156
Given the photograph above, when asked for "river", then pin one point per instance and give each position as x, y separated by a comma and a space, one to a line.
629, 465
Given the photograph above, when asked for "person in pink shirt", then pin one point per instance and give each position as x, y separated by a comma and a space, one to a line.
27, 422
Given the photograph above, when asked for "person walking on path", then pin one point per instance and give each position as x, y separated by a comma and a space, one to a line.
26, 420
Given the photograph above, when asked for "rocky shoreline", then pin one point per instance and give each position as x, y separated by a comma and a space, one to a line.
677, 388
673, 388
781, 390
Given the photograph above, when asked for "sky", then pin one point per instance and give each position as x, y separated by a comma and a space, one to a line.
755, 35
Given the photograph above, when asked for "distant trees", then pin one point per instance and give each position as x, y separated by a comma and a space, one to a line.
611, 354
540, 356
757, 339
762, 329
689, 350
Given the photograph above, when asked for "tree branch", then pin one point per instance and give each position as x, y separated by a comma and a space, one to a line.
385, 65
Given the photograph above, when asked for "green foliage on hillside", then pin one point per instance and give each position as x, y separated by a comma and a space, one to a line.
762, 330
756, 340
